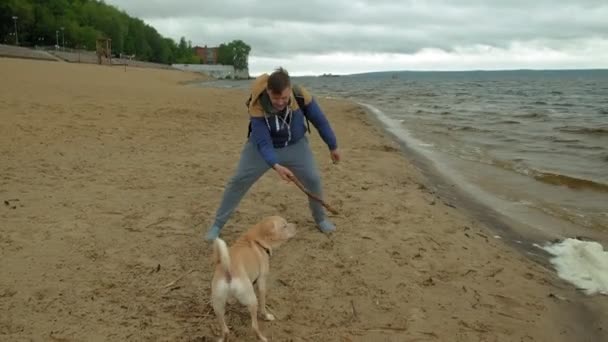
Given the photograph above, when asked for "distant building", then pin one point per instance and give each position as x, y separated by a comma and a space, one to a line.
208, 55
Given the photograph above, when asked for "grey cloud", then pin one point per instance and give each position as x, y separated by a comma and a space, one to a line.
281, 28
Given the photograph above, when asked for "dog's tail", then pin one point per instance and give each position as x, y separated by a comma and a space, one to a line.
222, 256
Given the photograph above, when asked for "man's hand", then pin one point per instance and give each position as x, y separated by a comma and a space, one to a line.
283, 172
335, 156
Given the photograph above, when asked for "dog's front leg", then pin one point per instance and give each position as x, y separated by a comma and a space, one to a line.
262, 294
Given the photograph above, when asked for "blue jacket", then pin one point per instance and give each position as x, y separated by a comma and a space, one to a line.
269, 131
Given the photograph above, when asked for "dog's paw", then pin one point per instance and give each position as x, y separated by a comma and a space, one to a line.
269, 317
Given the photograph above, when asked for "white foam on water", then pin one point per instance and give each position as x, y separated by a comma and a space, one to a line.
582, 263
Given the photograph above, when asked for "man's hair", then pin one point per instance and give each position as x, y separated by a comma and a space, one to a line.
278, 81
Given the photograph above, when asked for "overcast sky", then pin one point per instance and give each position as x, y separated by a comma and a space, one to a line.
314, 37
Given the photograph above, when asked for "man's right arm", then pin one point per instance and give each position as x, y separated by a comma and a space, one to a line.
261, 137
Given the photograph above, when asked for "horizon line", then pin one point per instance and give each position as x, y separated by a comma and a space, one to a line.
444, 70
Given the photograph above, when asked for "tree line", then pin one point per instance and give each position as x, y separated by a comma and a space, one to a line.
78, 23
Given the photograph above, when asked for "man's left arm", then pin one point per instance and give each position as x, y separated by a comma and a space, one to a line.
314, 113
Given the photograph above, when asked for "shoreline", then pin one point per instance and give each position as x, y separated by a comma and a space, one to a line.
475, 201
514, 233
118, 173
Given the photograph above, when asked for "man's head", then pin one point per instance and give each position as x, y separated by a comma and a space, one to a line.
279, 88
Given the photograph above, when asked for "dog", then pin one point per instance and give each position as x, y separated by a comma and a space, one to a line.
247, 263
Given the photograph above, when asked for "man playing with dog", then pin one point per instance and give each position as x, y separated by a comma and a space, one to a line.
279, 115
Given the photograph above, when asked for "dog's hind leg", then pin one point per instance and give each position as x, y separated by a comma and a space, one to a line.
246, 295
219, 296
253, 310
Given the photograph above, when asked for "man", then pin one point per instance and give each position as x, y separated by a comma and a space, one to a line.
278, 140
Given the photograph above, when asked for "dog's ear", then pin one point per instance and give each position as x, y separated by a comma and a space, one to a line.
268, 231
277, 225
270, 228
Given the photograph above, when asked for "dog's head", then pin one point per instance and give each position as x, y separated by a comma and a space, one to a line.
275, 230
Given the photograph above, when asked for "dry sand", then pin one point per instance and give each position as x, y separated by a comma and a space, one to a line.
109, 178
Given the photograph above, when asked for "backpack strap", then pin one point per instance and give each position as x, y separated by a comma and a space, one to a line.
297, 94
247, 105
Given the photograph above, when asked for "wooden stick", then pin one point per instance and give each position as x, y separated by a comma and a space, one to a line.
355, 316
178, 279
311, 195
385, 329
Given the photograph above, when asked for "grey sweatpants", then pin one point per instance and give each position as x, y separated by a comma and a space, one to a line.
297, 157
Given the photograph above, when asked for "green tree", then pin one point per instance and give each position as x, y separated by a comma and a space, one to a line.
182, 49
86, 20
235, 53
240, 52
225, 55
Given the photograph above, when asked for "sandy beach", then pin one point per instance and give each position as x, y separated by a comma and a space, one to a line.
110, 176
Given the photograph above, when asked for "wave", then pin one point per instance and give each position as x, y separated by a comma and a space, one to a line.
583, 130
550, 177
425, 94
467, 129
530, 115
516, 92
603, 111
425, 112
562, 140
585, 147
570, 182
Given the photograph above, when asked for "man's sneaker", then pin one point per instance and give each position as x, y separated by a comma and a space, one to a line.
326, 226
213, 233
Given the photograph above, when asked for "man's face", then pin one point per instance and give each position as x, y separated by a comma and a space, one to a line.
279, 100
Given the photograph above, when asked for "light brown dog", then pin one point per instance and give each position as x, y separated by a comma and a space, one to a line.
247, 263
